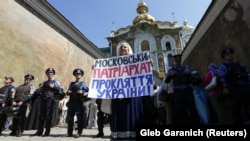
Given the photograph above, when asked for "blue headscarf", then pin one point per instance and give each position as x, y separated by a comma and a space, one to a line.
213, 67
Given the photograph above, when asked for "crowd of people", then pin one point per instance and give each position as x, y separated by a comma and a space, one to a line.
47, 106
181, 99
194, 100
230, 97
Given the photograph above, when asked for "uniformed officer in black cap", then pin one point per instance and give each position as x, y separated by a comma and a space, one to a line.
183, 105
177, 57
227, 51
23, 94
236, 84
50, 71
9, 78
77, 92
49, 88
6, 99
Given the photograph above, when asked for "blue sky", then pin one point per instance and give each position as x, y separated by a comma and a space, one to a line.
94, 18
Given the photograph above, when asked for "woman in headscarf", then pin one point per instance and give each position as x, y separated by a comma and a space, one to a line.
218, 105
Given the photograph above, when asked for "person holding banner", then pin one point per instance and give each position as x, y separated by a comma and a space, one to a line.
126, 113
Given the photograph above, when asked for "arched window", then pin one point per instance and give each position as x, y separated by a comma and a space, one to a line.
161, 64
168, 46
145, 46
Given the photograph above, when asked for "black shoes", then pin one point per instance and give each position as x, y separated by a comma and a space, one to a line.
99, 135
71, 135
13, 134
37, 134
68, 135
18, 135
77, 135
46, 135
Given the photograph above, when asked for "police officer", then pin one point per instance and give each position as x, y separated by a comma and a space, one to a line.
183, 106
6, 92
23, 95
77, 94
236, 84
49, 89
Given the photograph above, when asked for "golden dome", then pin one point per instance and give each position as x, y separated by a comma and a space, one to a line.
141, 5
142, 10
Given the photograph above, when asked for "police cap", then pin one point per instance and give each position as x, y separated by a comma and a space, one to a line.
78, 71
226, 50
50, 70
10, 78
177, 57
29, 76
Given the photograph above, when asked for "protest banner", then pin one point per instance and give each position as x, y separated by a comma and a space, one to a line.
122, 77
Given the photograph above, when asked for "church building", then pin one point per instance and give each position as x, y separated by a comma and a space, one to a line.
162, 38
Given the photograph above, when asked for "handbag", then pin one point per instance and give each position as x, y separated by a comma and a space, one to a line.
212, 84
106, 106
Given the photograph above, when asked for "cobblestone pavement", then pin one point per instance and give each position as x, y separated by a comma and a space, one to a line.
57, 134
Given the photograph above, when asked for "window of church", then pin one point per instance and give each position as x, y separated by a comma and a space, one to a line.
168, 46
145, 46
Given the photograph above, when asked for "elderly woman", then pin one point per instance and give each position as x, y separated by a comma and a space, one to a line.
126, 113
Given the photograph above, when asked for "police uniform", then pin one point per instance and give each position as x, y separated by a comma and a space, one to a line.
23, 94
235, 79
47, 104
183, 106
75, 104
5, 101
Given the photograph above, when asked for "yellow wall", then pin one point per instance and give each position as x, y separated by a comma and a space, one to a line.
28, 45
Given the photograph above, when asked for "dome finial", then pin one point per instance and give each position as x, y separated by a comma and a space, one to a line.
113, 29
143, 16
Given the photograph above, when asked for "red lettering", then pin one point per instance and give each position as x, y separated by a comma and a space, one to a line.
137, 69
125, 71
116, 70
120, 71
145, 67
104, 73
95, 72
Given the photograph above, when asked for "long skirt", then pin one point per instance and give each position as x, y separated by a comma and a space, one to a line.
126, 117
33, 116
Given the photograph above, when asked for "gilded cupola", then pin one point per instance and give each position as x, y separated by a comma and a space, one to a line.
143, 16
